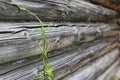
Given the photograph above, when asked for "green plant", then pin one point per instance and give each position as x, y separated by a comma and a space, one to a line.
46, 74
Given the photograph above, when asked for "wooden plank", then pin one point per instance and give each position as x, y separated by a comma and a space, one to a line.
95, 68
19, 40
50, 10
60, 63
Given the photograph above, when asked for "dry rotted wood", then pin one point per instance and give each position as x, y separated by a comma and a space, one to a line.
50, 10
20, 40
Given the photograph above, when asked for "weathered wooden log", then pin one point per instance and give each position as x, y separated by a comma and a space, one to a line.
66, 61
50, 10
75, 65
94, 69
77, 51
107, 75
112, 4
116, 76
57, 53
20, 40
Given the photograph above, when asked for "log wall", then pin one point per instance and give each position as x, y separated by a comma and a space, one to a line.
83, 39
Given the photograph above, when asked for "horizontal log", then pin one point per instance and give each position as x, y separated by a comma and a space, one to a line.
20, 40
71, 48
94, 69
54, 53
107, 75
75, 65
50, 10
65, 61
112, 4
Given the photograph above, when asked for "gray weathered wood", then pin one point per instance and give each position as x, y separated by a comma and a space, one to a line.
73, 66
77, 51
9, 66
20, 40
116, 76
62, 63
94, 69
50, 10
108, 74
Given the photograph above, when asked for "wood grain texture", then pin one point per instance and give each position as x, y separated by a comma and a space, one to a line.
50, 10
112, 4
116, 76
108, 74
83, 39
20, 40
63, 63
94, 69
75, 65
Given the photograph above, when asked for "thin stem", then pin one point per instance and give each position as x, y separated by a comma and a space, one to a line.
47, 73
